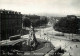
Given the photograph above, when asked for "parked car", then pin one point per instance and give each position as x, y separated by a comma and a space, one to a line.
59, 34
76, 40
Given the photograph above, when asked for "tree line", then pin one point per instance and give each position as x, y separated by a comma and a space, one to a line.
69, 24
35, 20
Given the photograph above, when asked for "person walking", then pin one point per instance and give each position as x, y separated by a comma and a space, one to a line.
76, 46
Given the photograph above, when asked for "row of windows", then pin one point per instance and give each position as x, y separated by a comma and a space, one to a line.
13, 24
11, 16
9, 12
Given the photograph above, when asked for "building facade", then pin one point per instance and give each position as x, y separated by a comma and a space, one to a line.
11, 23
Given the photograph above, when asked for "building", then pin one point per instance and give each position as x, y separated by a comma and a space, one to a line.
11, 23
0, 26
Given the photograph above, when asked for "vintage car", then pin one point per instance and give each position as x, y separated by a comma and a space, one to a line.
76, 40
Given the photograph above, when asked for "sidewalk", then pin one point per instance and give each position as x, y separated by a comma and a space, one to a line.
74, 51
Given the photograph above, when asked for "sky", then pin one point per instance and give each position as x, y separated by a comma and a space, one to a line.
62, 7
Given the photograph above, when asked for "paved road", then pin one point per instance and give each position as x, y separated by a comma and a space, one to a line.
73, 48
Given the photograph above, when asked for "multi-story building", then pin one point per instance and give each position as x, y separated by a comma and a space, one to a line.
11, 23
0, 26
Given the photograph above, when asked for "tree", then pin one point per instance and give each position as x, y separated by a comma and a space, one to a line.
67, 24
26, 22
35, 20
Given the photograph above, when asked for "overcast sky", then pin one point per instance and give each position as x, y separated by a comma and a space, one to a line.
63, 7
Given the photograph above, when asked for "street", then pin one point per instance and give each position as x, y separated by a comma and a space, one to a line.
72, 48
48, 33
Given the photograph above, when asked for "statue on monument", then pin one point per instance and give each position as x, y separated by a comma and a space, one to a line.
32, 41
